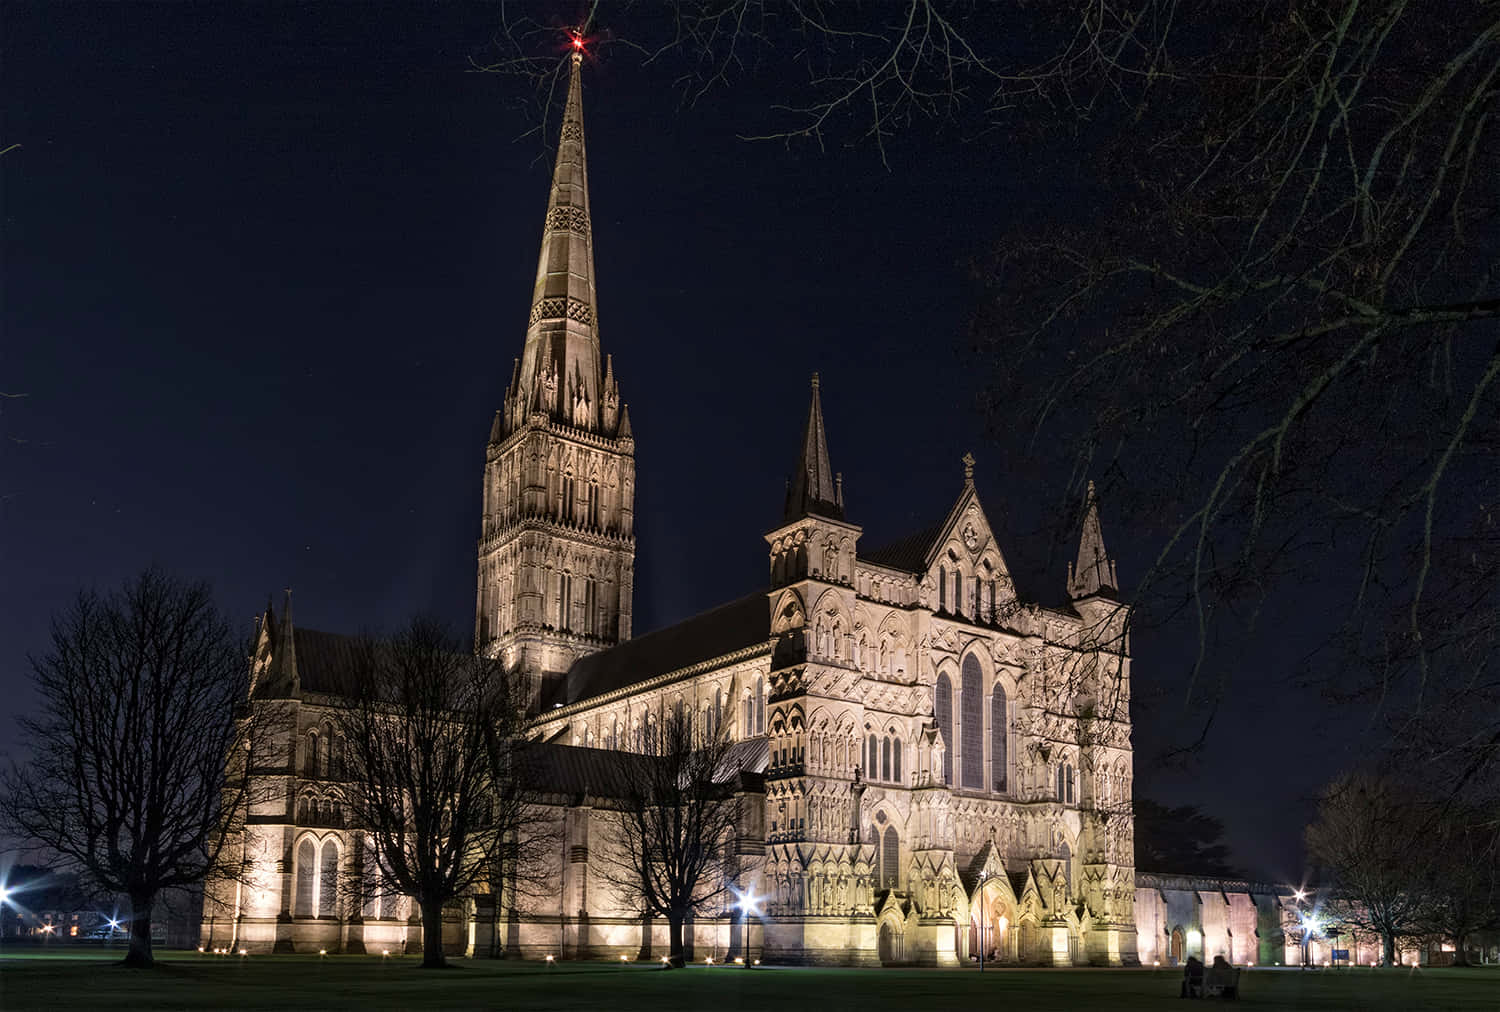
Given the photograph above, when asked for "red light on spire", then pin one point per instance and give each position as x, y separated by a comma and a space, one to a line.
578, 43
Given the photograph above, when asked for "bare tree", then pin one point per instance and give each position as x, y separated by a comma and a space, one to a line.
1372, 835
673, 840
1464, 881
139, 759
1275, 339
429, 728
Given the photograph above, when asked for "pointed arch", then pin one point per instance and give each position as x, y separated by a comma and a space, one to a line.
942, 705
971, 724
999, 738
307, 875
328, 878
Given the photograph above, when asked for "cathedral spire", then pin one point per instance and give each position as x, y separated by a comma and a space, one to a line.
1095, 570
813, 488
560, 374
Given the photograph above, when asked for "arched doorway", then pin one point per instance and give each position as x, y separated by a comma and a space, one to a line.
1179, 945
892, 943
992, 924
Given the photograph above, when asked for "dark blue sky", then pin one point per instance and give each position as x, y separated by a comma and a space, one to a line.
266, 268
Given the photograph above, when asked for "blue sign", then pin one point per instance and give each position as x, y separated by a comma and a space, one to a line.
1339, 954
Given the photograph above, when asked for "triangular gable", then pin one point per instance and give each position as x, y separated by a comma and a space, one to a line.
967, 533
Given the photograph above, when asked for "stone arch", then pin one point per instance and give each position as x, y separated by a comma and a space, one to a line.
789, 614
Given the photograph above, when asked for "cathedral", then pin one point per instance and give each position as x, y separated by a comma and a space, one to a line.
935, 768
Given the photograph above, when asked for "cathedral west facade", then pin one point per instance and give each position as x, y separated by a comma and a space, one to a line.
932, 765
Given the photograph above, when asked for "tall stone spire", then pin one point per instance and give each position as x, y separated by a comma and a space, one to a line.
557, 536
1095, 570
814, 488
560, 372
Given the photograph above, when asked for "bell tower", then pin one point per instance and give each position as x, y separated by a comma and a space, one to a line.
557, 537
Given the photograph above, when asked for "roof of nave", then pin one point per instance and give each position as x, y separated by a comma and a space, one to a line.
908, 554
326, 662
605, 773
723, 630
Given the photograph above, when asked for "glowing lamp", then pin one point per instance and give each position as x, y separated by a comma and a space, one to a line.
244, 952
757, 962
4, 895
200, 948
664, 961
550, 959
385, 952
322, 952
624, 959
1156, 962
1299, 895
739, 960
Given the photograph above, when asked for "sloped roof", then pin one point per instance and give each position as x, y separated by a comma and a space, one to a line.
326, 662
574, 770
909, 554
714, 633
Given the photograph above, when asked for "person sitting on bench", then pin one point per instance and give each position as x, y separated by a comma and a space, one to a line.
1223, 979
1192, 978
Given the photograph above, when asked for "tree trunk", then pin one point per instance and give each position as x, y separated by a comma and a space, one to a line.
1460, 957
1388, 942
139, 953
432, 935
674, 940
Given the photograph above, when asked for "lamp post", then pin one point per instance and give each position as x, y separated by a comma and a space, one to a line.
748, 904
982, 919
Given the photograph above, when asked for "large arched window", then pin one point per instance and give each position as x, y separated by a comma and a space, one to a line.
328, 880
896, 759
999, 732
890, 859
942, 706
972, 715
942, 588
885, 759
872, 758
307, 878
314, 754
760, 705
1066, 791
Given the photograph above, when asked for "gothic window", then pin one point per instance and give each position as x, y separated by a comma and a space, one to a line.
564, 601
972, 717
718, 713
747, 726
896, 760
590, 605
328, 877
760, 705
307, 875
570, 499
885, 759
890, 859
313, 754
942, 588
872, 753
943, 707
957, 582
1066, 777
999, 731
594, 502
859, 651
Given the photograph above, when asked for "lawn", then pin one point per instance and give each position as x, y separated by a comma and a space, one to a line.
182, 980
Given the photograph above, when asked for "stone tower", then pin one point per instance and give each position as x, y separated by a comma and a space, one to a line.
557, 539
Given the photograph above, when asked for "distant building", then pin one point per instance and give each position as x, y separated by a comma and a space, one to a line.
938, 765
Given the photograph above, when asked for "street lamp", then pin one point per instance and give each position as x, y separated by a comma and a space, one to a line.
749, 906
982, 919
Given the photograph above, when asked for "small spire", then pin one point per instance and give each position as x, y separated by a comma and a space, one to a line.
497, 428
624, 432
1095, 571
813, 490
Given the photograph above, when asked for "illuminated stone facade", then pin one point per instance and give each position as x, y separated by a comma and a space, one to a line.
935, 766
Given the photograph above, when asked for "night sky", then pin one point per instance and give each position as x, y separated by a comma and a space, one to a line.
266, 268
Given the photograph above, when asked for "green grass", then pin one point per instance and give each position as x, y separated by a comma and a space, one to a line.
188, 980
